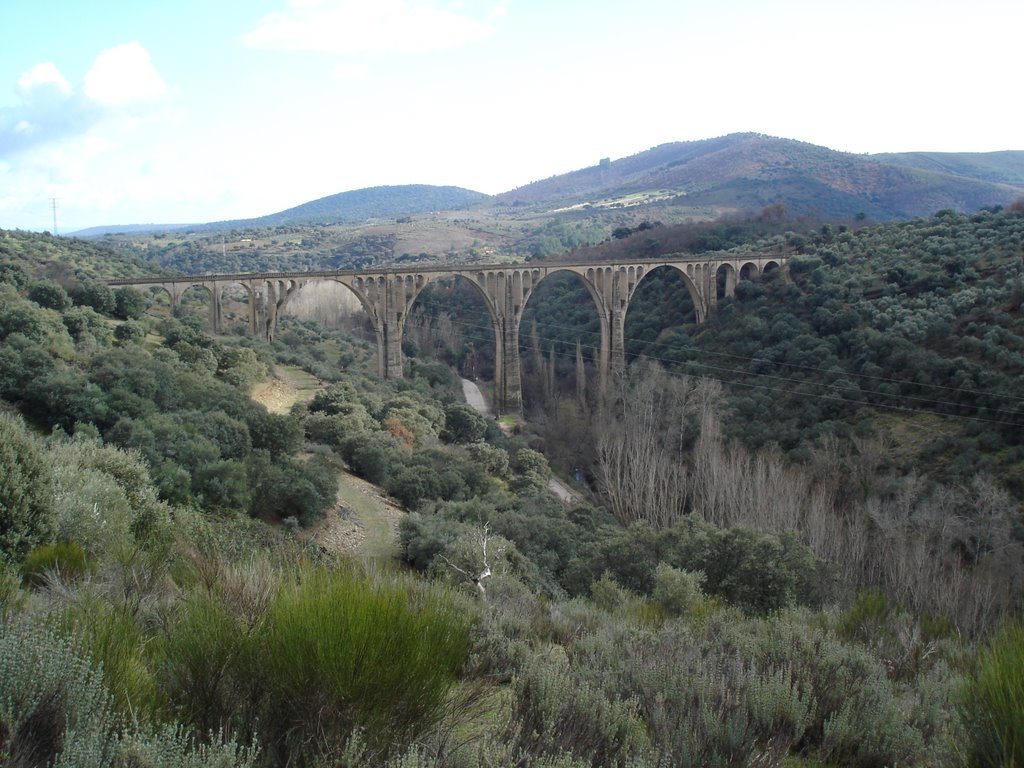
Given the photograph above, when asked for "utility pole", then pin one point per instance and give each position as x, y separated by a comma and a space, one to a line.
53, 200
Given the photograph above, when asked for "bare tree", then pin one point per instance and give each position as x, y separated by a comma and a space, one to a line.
481, 568
645, 428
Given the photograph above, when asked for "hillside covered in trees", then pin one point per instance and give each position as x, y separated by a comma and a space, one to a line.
799, 541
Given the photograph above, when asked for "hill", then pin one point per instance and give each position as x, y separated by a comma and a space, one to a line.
364, 205
998, 167
749, 171
68, 260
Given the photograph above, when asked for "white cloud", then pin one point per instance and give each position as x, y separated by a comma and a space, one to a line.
366, 26
121, 86
43, 77
124, 75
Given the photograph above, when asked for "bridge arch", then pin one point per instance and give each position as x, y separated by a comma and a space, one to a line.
749, 270
227, 296
726, 277
451, 285
678, 292
551, 349
153, 294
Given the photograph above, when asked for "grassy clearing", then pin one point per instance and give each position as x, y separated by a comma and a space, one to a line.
289, 385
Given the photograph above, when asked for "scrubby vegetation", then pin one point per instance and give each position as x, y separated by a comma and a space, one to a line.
712, 600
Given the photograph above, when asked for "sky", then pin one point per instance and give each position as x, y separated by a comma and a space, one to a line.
151, 111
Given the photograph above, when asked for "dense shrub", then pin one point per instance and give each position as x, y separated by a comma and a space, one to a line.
463, 425
26, 490
55, 710
339, 651
130, 332
129, 304
760, 572
66, 559
54, 707
49, 295
96, 295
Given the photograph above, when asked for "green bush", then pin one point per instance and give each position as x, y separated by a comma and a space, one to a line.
556, 714
113, 636
676, 591
96, 295
129, 304
463, 425
65, 558
130, 332
174, 747
339, 652
49, 295
203, 667
991, 703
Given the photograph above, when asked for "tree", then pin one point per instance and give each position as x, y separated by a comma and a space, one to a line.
472, 560
14, 274
129, 304
96, 295
130, 332
463, 425
49, 295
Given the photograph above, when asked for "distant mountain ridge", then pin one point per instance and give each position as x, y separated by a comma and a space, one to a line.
353, 207
749, 171
1005, 167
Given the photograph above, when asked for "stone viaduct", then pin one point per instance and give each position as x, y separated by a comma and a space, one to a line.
387, 294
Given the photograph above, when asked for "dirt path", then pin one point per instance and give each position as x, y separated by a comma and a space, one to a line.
364, 522
475, 397
561, 490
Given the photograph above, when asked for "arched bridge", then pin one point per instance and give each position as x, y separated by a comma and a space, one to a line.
387, 294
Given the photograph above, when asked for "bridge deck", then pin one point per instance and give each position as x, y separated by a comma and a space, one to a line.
442, 269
